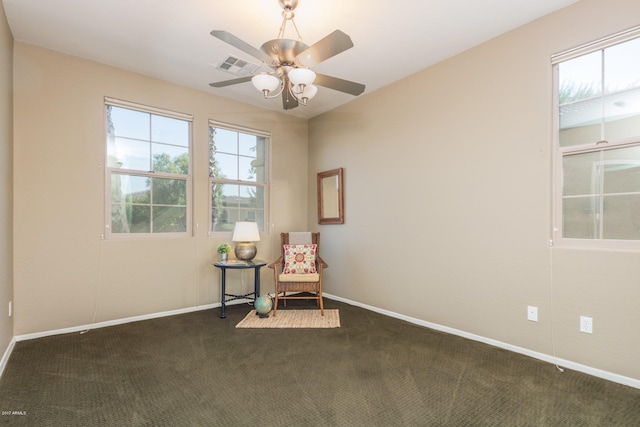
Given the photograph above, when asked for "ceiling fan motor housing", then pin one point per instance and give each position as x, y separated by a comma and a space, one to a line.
283, 51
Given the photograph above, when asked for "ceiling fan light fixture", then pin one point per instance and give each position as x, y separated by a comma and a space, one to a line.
265, 83
301, 78
308, 93
290, 61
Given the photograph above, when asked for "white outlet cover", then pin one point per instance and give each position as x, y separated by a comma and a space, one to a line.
586, 324
532, 313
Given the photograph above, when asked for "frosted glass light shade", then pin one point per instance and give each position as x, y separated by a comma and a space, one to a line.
301, 76
265, 83
308, 93
246, 232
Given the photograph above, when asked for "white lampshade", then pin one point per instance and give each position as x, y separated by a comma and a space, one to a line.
308, 93
246, 232
301, 77
265, 83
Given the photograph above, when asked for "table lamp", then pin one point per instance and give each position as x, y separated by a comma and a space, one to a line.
245, 233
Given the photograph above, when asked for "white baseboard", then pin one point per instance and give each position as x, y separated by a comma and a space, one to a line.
620, 379
114, 322
6, 355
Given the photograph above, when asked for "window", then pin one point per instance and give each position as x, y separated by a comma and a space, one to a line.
237, 176
148, 182
597, 161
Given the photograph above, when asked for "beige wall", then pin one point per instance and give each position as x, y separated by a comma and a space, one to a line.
6, 181
60, 262
447, 196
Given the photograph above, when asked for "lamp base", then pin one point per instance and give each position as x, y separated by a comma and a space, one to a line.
246, 251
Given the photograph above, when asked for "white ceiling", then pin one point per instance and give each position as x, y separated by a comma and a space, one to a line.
170, 40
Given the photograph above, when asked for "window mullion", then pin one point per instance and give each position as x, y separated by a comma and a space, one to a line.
600, 219
602, 95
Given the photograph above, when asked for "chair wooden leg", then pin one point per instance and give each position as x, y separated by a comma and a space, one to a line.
321, 305
275, 305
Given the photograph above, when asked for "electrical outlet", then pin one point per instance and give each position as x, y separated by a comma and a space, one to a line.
532, 313
586, 324
10, 308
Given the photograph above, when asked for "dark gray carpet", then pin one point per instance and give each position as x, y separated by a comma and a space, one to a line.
198, 370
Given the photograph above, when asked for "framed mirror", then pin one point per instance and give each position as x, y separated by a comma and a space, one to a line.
330, 197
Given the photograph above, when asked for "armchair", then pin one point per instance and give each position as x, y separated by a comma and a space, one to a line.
298, 269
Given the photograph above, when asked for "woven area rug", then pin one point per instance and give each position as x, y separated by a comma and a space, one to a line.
292, 319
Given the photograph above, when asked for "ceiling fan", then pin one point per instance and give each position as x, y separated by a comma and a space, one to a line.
291, 61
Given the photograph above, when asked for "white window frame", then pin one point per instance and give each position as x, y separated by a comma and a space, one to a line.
559, 153
109, 171
264, 228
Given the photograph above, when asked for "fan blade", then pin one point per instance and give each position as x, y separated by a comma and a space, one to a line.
288, 101
329, 46
231, 82
243, 46
341, 85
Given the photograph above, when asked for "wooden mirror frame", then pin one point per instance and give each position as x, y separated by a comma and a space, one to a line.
334, 198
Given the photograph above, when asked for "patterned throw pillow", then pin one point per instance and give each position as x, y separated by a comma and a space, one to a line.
299, 259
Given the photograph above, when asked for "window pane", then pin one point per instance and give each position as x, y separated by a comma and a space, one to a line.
622, 170
252, 215
580, 78
130, 189
120, 218
247, 171
216, 195
169, 191
580, 122
230, 195
248, 197
130, 123
169, 158
247, 146
260, 219
621, 218
581, 174
131, 154
223, 219
579, 217
167, 219
220, 213
248, 215
170, 131
140, 219
226, 141
622, 66
227, 166
130, 219
260, 162
622, 115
